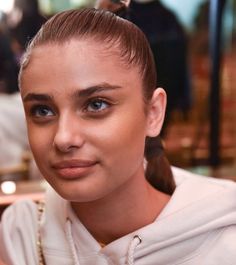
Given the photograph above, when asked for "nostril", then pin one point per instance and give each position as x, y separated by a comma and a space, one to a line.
67, 141
64, 148
68, 135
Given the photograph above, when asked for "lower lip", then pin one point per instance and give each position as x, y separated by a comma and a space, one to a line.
74, 172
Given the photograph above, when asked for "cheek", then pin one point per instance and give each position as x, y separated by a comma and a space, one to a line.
123, 156
39, 140
123, 135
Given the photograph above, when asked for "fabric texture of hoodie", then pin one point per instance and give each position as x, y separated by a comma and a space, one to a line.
197, 227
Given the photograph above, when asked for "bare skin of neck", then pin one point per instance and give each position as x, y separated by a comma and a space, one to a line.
132, 206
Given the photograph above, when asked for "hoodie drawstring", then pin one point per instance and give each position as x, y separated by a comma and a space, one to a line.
136, 240
71, 242
133, 244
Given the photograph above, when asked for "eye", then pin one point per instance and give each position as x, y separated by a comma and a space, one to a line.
96, 105
41, 111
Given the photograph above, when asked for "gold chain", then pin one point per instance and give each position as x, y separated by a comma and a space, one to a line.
41, 207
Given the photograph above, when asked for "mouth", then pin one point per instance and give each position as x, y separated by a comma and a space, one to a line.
73, 169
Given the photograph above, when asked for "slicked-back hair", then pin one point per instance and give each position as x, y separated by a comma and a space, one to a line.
106, 28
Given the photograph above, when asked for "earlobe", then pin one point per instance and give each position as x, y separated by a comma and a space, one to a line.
156, 112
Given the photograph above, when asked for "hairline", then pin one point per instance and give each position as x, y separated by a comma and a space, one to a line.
109, 48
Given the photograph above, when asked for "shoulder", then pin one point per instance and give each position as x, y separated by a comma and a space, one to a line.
181, 175
194, 188
19, 212
18, 230
223, 247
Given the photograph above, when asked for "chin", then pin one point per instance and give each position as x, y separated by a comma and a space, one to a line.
78, 196
80, 191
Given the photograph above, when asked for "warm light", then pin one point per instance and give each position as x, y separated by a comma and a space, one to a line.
8, 187
6, 5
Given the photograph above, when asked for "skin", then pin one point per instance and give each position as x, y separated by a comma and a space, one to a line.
84, 107
111, 6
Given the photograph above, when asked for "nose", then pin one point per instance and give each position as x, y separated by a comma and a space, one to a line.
68, 135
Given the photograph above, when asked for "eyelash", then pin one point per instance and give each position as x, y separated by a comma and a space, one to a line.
37, 108
96, 100
88, 108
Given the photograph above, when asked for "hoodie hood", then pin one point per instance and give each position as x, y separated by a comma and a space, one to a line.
192, 226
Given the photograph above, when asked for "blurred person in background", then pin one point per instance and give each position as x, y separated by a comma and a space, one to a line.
14, 145
8, 64
25, 20
169, 44
13, 134
16, 30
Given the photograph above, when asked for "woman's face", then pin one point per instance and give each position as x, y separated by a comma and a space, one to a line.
86, 121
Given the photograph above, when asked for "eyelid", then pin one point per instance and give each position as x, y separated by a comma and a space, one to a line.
94, 99
89, 101
36, 107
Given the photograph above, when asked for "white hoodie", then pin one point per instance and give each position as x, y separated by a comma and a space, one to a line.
197, 227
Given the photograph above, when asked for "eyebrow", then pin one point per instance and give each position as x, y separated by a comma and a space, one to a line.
95, 89
37, 97
78, 93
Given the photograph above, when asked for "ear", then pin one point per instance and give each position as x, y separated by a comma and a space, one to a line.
156, 112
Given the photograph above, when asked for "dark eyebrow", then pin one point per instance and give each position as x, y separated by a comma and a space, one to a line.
95, 89
78, 93
37, 97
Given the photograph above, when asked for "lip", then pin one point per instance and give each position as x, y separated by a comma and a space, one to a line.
73, 169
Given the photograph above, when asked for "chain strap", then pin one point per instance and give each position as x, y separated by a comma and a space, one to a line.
41, 208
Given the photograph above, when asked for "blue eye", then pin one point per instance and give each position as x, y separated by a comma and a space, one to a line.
41, 111
97, 105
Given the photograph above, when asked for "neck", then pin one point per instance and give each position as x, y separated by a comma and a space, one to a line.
106, 218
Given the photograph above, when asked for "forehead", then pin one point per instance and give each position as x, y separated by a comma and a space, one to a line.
82, 62
75, 49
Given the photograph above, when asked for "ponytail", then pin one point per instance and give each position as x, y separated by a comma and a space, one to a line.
158, 170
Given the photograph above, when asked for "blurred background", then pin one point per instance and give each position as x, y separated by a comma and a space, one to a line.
194, 45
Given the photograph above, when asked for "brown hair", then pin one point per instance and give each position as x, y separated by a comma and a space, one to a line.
120, 35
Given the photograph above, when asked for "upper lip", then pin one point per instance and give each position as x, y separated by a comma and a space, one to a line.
73, 163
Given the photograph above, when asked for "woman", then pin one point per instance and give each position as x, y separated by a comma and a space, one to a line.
88, 88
